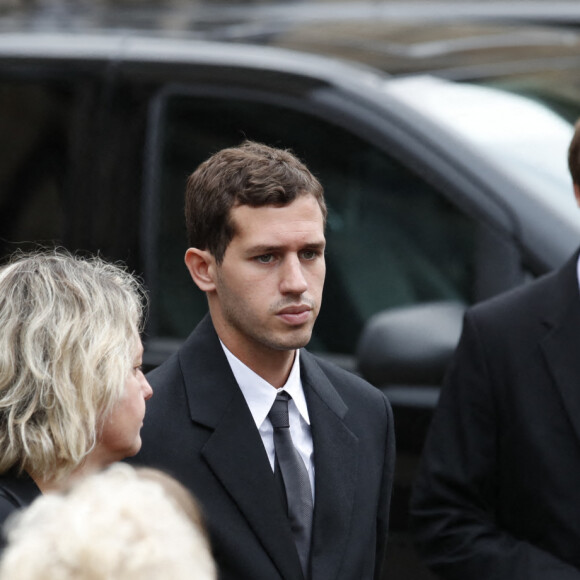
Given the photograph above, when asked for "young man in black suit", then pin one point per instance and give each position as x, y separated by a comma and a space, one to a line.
498, 493
255, 218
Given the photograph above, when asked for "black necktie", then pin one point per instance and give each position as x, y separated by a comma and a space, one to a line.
295, 477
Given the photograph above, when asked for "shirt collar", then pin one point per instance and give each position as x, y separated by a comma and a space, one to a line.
260, 394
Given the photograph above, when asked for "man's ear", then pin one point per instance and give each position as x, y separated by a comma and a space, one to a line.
577, 193
201, 265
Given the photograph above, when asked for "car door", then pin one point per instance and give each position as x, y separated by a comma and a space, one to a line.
70, 157
396, 235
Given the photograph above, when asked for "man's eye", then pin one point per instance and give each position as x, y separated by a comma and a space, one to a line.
265, 258
309, 254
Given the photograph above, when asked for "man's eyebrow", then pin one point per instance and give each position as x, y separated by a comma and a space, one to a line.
316, 245
263, 249
271, 248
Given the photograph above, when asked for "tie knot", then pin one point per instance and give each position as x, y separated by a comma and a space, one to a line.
278, 414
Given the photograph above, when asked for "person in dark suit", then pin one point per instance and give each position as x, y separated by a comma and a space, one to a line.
498, 490
255, 218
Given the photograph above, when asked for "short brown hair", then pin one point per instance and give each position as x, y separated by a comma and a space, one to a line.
574, 154
252, 174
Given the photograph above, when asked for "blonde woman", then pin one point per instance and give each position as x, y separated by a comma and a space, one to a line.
72, 394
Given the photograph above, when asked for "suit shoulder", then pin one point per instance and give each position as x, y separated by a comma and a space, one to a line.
338, 373
349, 384
168, 369
528, 303
201, 346
529, 291
7, 507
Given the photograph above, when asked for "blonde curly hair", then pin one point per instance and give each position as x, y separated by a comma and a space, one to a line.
69, 328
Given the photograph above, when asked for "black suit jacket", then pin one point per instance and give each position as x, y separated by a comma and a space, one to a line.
498, 494
199, 429
16, 492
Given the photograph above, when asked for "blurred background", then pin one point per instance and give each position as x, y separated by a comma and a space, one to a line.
439, 130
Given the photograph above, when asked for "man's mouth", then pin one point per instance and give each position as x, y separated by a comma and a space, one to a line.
295, 315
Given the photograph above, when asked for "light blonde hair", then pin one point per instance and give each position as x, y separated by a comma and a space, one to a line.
69, 328
114, 525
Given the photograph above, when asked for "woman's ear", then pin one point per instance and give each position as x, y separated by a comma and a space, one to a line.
201, 266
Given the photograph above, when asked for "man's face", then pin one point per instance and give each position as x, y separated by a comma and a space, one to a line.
268, 289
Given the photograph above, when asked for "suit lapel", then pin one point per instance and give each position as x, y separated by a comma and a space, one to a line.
336, 470
561, 345
235, 452
237, 457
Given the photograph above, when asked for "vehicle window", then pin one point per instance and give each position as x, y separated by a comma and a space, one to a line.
392, 239
70, 160
34, 120
522, 132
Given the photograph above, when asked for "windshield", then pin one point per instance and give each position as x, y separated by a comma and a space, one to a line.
523, 135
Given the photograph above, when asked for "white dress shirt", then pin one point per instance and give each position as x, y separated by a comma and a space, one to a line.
260, 395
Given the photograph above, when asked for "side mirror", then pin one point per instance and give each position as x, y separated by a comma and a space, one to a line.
405, 353
410, 345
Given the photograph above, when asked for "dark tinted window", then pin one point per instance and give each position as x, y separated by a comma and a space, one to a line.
392, 238
34, 124
71, 161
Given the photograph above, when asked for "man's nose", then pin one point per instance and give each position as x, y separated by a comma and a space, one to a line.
293, 280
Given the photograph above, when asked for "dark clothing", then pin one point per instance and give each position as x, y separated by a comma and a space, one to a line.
15, 493
498, 492
199, 428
